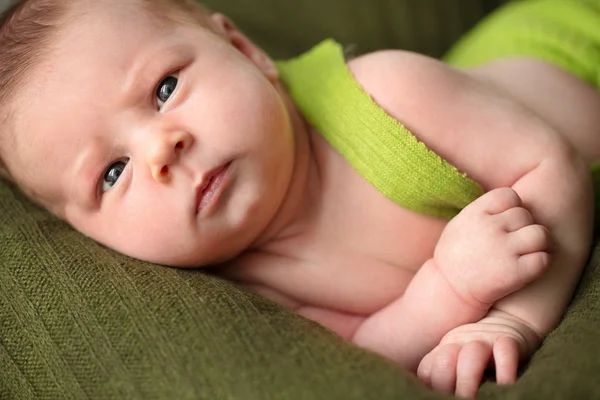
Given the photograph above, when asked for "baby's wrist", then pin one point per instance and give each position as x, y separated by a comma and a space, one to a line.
531, 336
452, 288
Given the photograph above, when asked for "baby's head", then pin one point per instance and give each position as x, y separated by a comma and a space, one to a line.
152, 126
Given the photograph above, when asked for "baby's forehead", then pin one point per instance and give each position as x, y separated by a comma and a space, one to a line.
161, 12
90, 58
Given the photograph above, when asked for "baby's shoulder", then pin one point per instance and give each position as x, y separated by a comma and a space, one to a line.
396, 77
410, 87
419, 92
477, 128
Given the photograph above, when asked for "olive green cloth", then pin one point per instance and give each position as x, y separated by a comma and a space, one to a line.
78, 321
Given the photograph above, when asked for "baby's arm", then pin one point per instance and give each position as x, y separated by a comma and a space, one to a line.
499, 143
455, 287
571, 106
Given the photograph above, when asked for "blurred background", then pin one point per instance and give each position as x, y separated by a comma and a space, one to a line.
287, 28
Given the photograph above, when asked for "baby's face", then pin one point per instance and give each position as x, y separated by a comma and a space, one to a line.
167, 144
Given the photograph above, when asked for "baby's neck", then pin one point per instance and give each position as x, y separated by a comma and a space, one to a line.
303, 197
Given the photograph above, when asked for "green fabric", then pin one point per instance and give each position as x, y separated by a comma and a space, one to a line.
565, 33
562, 32
382, 150
78, 321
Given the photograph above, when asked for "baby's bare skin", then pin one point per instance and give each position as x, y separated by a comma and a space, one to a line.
409, 240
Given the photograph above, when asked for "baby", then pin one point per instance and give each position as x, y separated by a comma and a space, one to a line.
159, 130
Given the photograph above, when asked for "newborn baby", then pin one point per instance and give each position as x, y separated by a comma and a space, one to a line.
158, 129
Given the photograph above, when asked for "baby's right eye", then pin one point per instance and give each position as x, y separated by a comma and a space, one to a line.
112, 174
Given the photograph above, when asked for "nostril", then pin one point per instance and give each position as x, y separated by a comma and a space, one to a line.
164, 170
179, 145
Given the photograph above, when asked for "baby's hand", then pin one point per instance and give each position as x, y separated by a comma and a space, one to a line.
492, 248
456, 366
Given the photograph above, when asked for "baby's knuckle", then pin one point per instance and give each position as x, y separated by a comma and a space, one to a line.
509, 195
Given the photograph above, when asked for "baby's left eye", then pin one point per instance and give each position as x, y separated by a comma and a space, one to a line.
112, 174
165, 89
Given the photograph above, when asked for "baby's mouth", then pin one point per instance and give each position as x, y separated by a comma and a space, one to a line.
210, 189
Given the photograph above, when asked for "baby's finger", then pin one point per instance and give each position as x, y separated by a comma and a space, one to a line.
516, 218
443, 368
499, 200
531, 239
472, 362
424, 369
506, 360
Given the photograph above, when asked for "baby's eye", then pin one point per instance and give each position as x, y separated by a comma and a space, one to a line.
165, 89
112, 174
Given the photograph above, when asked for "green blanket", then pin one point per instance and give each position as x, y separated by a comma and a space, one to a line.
79, 321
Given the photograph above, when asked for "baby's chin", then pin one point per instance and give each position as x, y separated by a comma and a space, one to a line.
204, 261
208, 253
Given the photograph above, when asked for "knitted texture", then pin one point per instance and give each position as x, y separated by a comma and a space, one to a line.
78, 321
380, 148
562, 32
565, 33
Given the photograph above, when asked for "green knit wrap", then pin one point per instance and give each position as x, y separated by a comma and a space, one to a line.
381, 149
564, 33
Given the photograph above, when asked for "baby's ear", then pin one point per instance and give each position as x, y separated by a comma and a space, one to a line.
227, 28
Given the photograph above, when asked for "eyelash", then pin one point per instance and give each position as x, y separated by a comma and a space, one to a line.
174, 72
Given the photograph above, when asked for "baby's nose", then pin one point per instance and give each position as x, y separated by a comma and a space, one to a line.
165, 151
